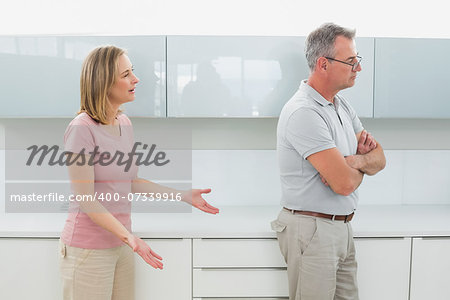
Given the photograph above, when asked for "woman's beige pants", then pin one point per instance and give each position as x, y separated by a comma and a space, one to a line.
97, 274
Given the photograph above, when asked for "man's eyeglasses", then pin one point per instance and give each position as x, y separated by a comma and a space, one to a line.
354, 65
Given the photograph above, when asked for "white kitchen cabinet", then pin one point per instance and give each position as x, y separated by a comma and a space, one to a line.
411, 78
208, 76
255, 268
44, 73
237, 268
29, 269
430, 273
229, 253
247, 76
383, 268
232, 76
240, 282
174, 281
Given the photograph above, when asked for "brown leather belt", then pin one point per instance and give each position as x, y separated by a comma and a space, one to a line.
344, 218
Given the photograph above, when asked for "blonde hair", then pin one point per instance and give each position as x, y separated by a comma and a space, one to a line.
98, 74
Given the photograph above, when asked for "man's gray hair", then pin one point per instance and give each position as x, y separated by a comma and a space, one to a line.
320, 42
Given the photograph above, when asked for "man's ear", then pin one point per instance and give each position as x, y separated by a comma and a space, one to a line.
322, 63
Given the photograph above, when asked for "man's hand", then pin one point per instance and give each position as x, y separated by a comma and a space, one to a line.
366, 143
194, 198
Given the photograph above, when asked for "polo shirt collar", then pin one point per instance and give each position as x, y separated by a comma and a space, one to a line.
305, 87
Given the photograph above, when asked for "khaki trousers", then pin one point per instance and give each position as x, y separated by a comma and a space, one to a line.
320, 257
97, 274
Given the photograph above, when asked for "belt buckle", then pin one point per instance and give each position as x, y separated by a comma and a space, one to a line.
333, 217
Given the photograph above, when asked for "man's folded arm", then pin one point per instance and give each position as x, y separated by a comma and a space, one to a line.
372, 159
340, 176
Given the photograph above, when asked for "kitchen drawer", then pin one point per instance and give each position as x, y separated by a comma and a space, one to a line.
229, 253
240, 283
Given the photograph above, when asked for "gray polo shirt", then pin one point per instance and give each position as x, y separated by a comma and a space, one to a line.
308, 124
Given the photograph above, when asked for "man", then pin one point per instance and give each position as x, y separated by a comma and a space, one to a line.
323, 153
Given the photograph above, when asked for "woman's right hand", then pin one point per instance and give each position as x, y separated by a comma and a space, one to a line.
144, 251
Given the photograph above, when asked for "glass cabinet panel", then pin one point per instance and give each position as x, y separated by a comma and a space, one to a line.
41, 76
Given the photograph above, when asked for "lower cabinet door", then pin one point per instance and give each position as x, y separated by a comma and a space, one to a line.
430, 273
383, 268
29, 269
242, 253
174, 281
240, 283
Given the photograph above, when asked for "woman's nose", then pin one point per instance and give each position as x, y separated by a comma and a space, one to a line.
136, 79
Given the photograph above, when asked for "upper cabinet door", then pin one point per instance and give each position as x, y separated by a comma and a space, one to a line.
412, 78
41, 76
225, 76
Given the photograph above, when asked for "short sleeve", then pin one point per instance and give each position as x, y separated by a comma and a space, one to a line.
308, 132
78, 136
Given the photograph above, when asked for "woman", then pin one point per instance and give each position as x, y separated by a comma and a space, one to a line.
97, 245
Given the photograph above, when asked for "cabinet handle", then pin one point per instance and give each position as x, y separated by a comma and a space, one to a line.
433, 238
240, 268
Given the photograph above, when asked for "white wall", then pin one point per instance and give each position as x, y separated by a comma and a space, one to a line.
251, 177
223, 17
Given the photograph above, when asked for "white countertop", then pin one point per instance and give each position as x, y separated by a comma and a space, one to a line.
246, 222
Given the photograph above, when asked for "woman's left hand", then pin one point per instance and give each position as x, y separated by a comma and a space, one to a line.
194, 197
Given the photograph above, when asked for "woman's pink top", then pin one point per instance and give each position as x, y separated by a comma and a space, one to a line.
111, 180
